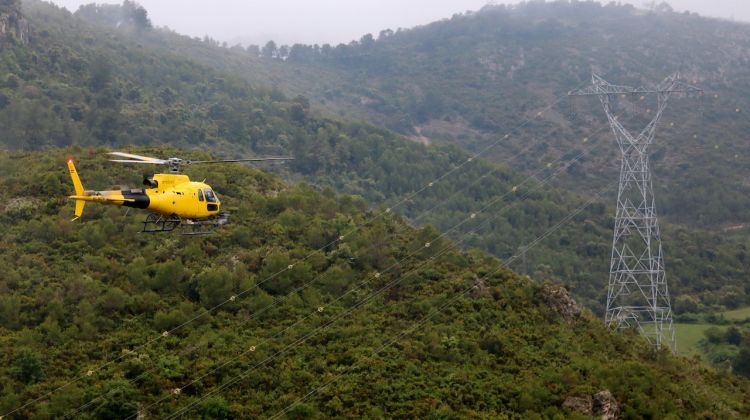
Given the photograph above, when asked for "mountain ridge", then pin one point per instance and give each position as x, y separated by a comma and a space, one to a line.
509, 346
85, 305
69, 86
511, 60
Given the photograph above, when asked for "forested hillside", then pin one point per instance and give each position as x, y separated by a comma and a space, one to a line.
466, 80
98, 321
74, 83
469, 79
352, 288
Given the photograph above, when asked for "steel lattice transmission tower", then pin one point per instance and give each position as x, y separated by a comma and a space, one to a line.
637, 296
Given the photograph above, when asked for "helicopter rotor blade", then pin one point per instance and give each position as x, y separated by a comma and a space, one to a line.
155, 161
241, 160
135, 157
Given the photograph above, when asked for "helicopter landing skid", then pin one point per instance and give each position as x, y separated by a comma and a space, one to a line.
156, 223
204, 226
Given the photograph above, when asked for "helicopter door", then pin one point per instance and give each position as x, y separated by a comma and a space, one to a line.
200, 195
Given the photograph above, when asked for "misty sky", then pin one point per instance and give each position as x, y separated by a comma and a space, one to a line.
336, 21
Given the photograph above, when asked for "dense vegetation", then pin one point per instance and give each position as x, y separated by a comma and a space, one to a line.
721, 339
95, 295
468, 79
89, 301
465, 80
728, 348
75, 83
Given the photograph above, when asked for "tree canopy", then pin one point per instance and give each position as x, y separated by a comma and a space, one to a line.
400, 334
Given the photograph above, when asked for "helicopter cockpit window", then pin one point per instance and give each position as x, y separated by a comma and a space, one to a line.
210, 197
200, 195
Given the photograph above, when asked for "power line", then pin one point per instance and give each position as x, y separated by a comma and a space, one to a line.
359, 304
233, 298
445, 233
417, 324
440, 309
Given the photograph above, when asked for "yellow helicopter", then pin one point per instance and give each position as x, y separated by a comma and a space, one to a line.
172, 199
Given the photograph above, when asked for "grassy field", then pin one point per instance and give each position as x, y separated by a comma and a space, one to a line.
688, 336
740, 314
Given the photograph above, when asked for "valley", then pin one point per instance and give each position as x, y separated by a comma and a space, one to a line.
438, 247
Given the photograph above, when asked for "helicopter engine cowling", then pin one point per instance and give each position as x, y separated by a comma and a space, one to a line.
150, 182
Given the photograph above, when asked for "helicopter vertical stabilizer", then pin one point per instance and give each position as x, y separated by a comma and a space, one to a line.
78, 188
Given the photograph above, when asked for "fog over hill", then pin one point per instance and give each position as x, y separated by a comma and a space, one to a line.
464, 80
331, 21
376, 279
140, 86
